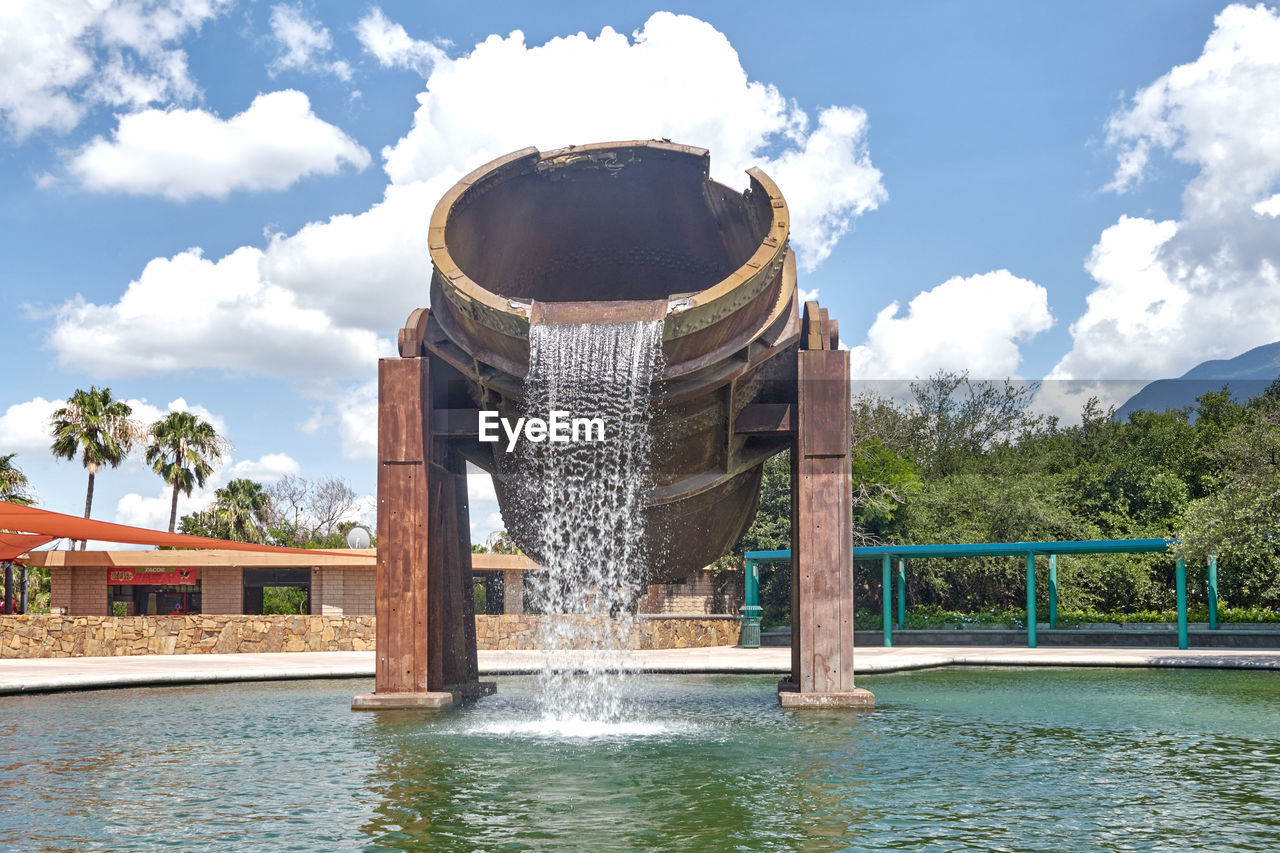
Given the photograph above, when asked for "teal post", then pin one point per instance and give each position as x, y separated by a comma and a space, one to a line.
902, 593
1053, 590
886, 593
1181, 580
1031, 601
750, 636
1213, 592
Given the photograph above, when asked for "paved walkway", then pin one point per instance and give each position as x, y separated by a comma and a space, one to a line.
56, 674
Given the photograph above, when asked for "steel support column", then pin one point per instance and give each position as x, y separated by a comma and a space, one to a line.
821, 526
902, 593
1180, 576
1213, 592
886, 594
1053, 590
749, 637
424, 635
1031, 601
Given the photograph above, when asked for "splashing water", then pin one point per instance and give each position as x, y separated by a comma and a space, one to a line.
584, 502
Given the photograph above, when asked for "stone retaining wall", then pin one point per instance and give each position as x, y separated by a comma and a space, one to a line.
45, 636
521, 632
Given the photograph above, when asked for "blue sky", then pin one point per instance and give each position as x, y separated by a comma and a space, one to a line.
220, 205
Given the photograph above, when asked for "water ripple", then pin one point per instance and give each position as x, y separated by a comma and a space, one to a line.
949, 760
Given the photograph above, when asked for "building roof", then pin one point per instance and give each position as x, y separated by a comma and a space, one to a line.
43, 526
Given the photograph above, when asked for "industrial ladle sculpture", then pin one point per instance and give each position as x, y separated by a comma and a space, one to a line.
614, 232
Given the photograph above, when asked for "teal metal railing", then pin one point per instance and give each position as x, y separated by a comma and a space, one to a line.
751, 609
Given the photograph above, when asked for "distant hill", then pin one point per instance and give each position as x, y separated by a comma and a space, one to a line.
1246, 375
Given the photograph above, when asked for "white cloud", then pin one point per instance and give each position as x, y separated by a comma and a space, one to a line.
480, 484
187, 312
25, 426
485, 104
482, 504
367, 270
1134, 313
152, 512
1217, 113
678, 78
183, 154
358, 421
393, 47
1173, 293
317, 303
483, 528
265, 469
828, 181
146, 414
973, 324
58, 58
1066, 398
1268, 207
313, 423
302, 42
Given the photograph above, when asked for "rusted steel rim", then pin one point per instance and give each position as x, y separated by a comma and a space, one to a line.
685, 313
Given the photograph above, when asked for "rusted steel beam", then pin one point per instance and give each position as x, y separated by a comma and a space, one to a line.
559, 313
765, 418
451, 423
822, 528
404, 449
425, 630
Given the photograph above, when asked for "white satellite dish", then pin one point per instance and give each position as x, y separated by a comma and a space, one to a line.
358, 537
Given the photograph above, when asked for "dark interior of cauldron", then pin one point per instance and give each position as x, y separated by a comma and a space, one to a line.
649, 230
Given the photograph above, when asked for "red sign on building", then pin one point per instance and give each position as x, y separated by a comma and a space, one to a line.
159, 577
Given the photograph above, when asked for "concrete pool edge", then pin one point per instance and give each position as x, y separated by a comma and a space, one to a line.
52, 675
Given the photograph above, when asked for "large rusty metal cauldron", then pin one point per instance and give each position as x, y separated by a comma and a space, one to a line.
612, 232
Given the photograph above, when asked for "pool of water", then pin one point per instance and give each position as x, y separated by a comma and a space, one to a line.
953, 759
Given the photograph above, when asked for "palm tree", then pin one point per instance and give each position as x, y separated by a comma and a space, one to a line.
241, 509
181, 450
96, 427
14, 487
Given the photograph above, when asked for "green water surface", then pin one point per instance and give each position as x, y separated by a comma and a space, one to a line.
953, 759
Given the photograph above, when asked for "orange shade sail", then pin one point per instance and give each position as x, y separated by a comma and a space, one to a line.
13, 544
33, 527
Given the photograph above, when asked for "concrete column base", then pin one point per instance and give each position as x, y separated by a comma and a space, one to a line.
452, 694
378, 701
789, 696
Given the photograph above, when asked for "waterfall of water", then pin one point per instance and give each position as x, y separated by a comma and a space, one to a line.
584, 502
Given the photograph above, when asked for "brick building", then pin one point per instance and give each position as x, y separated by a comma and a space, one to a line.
337, 583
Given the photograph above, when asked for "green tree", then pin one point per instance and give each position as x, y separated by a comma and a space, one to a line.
1239, 518
243, 508
14, 486
239, 512
96, 427
182, 450
957, 421
883, 482
1218, 416
284, 600
500, 542
311, 513
989, 508
770, 530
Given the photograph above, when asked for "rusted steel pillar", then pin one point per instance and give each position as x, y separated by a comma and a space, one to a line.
425, 640
451, 605
822, 526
